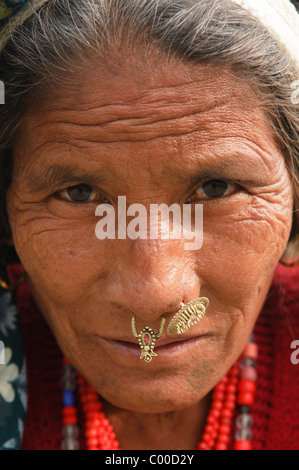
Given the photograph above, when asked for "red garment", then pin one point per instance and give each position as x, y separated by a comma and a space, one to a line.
276, 408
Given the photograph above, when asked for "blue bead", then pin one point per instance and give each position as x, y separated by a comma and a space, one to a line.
68, 398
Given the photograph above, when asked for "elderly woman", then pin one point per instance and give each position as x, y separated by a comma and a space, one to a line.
132, 341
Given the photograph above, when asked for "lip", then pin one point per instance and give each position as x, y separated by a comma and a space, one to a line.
166, 348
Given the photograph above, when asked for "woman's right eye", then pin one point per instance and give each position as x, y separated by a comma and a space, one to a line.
78, 193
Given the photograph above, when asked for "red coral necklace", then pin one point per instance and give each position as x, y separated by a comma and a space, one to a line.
233, 396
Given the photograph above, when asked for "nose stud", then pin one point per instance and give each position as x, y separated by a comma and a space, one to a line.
188, 315
147, 338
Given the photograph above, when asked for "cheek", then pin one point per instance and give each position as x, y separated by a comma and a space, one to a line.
261, 227
61, 256
241, 250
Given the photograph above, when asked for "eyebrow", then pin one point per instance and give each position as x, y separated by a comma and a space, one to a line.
217, 174
57, 176
230, 169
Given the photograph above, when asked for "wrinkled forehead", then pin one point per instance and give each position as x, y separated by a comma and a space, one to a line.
129, 125
126, 98
137, 72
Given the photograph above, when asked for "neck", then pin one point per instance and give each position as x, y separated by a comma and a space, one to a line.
176, 430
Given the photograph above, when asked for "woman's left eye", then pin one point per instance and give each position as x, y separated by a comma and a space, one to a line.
78, 193
215, 189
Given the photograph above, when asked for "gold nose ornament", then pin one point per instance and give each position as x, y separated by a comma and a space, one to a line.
188, 315
147, 339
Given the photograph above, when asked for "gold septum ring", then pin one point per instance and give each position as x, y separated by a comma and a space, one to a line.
147, 339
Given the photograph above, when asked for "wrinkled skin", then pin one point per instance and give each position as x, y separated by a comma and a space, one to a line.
145, 130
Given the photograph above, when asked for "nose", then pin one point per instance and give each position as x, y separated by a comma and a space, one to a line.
151, 279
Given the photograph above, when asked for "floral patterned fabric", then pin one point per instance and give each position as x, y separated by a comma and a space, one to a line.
13, 390
13, 394
10, 7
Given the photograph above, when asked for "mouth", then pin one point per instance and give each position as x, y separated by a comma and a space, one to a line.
165, 348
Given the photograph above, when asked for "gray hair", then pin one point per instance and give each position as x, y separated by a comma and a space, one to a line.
50, 43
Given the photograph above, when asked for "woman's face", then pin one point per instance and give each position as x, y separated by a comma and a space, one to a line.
154, 133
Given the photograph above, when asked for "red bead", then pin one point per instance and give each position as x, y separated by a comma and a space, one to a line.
218, 395
234, 372
224, 429
251, 351
230, 397
216, 426
91, 432
65, 361
242, 445
92, 442
223, 438
69, 411
208, 440
229, 405
226, 421
211, 420
245, 398
215, 412
69, 420
89, 397
224, 380
249, 373
217, 405
209, 428
115, 445
91, 423
90, 415
220, 387
234, 380
203, 446
221, 446
91, 406
231, 388
247, 386
226, 413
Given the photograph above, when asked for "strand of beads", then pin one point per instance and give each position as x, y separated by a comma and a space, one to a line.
227, 412
237, 387
70, 430
98, 431
217, 430
246, 396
